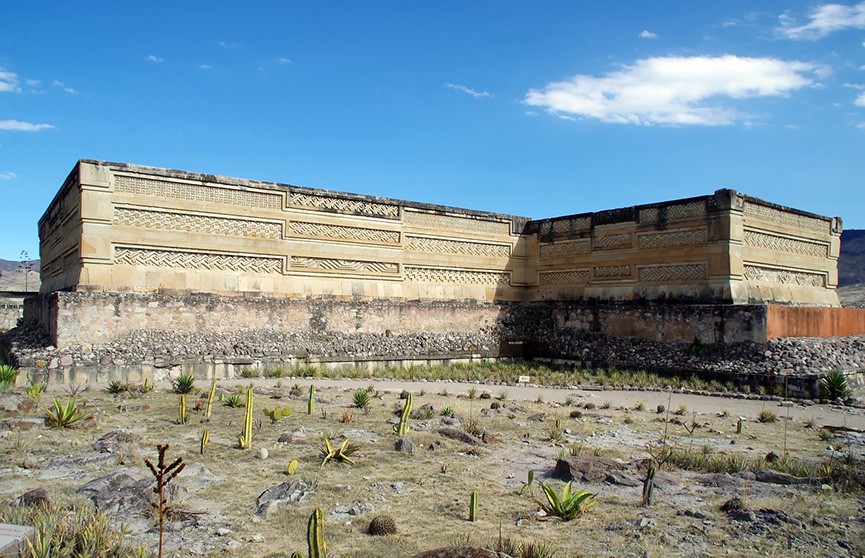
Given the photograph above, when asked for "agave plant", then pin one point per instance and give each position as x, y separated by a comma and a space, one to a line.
834, 385
65, 415
567, 507
341, 453
8, 374
361, 399
184, 384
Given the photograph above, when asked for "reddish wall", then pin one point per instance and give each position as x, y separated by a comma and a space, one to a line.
809, 321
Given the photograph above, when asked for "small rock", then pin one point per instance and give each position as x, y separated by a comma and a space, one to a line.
36, 497
404, 445
262, 453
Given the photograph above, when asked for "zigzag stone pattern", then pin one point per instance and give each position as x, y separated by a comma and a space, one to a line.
342, 205
439, 275
337, 265
448, 222
196, 192
446, 246
680, 272
612, 271
612, 242
195, 223
571, 277
772, 215
671, 239
686, 210
196, 260
339, 232
785, 244
784, 276
558, 249
569, 225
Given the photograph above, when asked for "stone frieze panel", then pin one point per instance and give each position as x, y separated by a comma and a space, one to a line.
458, 276
785, 244
670, 273
196, 192
165, 220
343, 205
560, 249
334, 265
759, 212
613, 242
456, 247
305, 229
567, 277
139, 256
779, 276
672, 239
611, 272
454, 223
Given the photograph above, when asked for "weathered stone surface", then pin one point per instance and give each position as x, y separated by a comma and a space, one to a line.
289, 492
404, 445
16, 403
777, 477
457, 552
589, 469
31, 423
36, 497
460, 436
116, 440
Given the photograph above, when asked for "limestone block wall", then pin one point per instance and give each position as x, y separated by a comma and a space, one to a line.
783, 255
673, 250
142, 229
9, 314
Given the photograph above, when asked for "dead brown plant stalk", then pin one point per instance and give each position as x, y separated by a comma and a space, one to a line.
164, 475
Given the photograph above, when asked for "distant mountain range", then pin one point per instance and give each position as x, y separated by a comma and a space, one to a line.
851, 271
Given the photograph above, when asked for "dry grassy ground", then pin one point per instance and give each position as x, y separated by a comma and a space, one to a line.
427, 493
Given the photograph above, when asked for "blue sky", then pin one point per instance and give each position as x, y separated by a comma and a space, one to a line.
529, 108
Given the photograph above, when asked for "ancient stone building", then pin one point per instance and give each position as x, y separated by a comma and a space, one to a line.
129, 248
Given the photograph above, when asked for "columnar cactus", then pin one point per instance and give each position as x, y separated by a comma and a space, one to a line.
310, 405
473, 506
182, 409
315, 535
402, 428
205, 438
246, 436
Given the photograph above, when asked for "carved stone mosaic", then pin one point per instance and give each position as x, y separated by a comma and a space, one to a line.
572, 277
612, 242
343, 205
344, 266
339, 232
574, 224
450, 223
649, 215
686, 210
445, 246
786, 244
196, 223
196, 260
759, 212
196, 192
784, 276
458, 276
678, 272
559, 249
611, 271
671, 239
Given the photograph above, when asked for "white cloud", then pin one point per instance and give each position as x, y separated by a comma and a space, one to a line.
860, 101
63, 86
825, 20
646, 34
468, 90
284, 60
9, 82
7, 175
154, 58
205, 66
672, 90
18, 126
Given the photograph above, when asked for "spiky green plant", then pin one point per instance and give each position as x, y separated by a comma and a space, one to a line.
340, 453
569, 505
205, 438
65, 416
8, 375
116, 387
360, 399
185, 384
36, 391
834, 385
234, 400
447, 412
